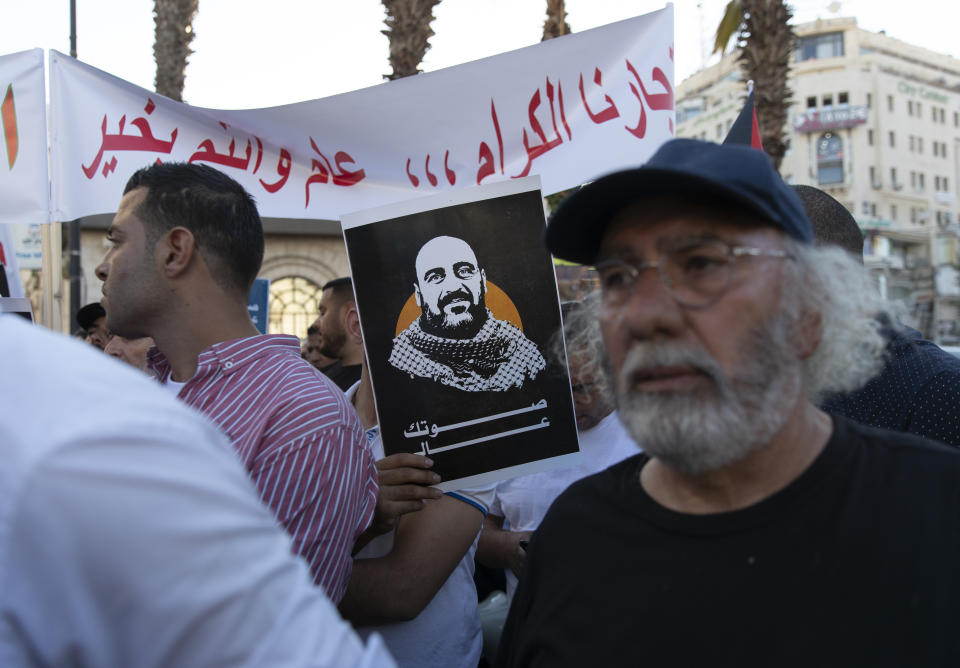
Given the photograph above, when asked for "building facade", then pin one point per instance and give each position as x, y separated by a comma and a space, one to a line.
875, 122
299, 257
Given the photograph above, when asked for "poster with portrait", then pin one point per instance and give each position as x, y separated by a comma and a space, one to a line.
458, 304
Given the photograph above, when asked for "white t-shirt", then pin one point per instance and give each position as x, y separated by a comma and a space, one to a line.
173, 386
446, 633
524, 501
130, 535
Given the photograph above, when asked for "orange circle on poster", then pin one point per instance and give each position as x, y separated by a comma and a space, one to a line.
499, 303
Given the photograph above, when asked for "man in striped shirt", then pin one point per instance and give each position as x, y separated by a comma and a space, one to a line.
187, 243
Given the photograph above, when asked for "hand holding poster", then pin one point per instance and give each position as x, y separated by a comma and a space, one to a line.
458, 303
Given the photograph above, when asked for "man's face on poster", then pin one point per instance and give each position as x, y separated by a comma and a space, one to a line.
450, 288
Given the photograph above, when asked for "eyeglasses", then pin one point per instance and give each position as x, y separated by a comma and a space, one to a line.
696, 274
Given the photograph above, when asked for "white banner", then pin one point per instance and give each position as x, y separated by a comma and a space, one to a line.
24, 186
567, 109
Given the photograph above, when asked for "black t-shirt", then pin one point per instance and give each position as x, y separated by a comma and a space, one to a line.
855, 563
343, 376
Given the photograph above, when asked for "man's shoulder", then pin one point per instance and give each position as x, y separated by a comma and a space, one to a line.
897, 451
609, 491
914, 359
291, 386
140, 409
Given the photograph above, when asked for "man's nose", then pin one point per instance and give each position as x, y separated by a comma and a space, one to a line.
102, 270
649, 311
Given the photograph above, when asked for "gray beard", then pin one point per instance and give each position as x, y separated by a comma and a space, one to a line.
696, 432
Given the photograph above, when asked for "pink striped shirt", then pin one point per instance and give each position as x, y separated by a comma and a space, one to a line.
300, 440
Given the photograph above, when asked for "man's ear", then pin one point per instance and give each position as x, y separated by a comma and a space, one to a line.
417, 296
175, 251
808, 334
350, 319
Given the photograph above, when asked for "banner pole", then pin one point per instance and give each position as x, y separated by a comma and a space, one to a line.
51, 308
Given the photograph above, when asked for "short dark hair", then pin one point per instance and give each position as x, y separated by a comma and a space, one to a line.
339, 284
832, 223
341, 292
220, 214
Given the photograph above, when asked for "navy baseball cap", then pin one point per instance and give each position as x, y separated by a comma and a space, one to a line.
739, 176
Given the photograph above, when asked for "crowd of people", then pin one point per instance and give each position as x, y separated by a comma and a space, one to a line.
769, 471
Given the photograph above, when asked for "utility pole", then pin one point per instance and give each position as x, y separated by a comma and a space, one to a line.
73, 231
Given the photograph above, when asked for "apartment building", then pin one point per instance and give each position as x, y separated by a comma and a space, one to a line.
875, 122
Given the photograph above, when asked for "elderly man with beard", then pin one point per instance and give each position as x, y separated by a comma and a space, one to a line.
457, 341
755, 530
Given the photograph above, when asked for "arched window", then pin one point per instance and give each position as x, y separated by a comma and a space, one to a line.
829, 159
293, 305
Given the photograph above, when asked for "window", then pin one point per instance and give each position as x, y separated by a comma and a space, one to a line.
873, 176
913, 214
919, 144
828, 45
913, 180
933, 114
812, 102
893, 176
843, 98
870, 137
936, 149
893, 140
893, 212
920, 180
956, 119
889, 102
909, 107
829, 159
943, 119
828, 100
293, 305
913, 142
869, 101
919, 109
936, 183
946, 185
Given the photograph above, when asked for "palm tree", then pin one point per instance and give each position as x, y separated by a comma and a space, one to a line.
171, 46
766, 43
408, 29
556, 23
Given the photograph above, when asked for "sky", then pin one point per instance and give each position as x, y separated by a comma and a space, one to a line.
256, 53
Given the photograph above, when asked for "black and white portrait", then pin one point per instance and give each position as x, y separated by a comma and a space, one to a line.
458, 304
456, 340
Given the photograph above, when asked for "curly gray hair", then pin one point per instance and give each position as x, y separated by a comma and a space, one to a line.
582, 341
829, 282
